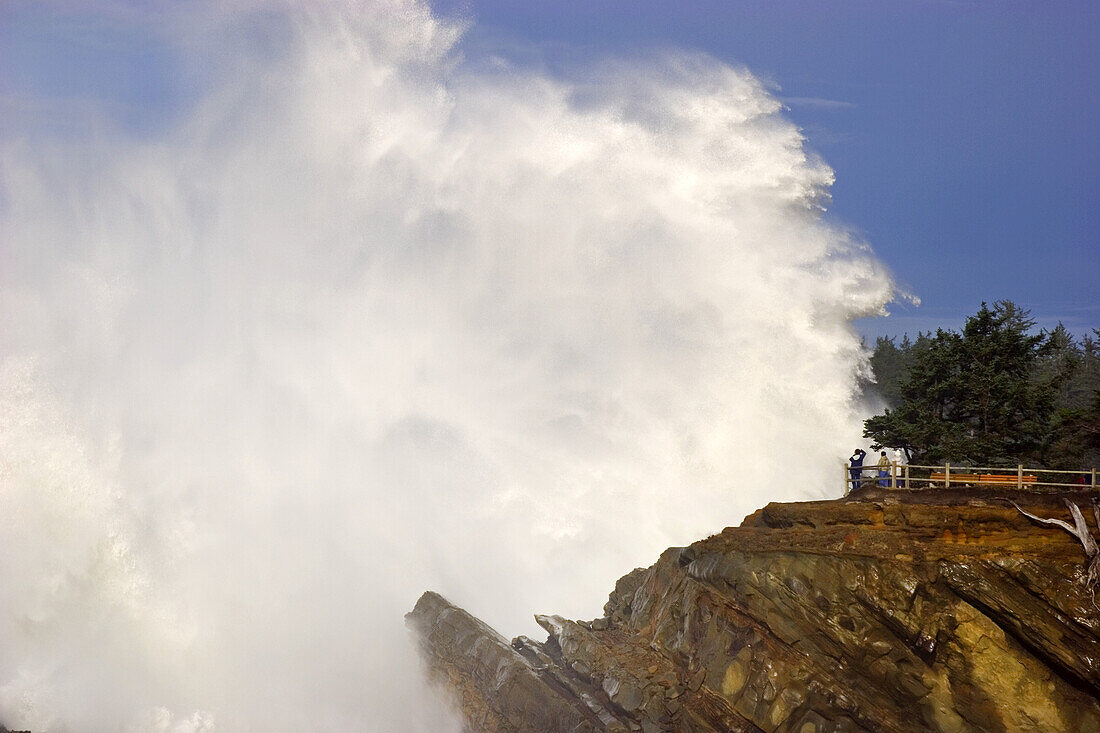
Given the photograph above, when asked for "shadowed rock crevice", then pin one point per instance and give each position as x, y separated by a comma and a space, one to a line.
893, 611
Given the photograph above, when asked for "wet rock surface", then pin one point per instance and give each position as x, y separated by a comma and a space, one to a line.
888, 611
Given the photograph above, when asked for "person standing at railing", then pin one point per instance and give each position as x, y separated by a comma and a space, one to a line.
883, 470
897, 468
856, 470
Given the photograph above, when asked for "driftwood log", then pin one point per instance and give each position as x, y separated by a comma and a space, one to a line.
1080, 530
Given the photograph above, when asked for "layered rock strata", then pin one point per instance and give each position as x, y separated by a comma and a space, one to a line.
891, 611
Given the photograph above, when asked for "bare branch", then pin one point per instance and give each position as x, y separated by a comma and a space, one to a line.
1092, 575
1064, 525
1082, 532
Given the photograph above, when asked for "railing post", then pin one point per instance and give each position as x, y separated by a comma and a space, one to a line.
847, 488
906, 476
1094, 479
946, 475
893, 475
1020, 476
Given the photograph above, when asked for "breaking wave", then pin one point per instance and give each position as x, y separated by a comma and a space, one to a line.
370, 317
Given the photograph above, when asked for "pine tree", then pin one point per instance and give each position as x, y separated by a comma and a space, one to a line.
973, 397
1074, 439
890, 365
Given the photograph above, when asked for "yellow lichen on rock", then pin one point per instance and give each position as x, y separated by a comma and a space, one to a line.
736, 675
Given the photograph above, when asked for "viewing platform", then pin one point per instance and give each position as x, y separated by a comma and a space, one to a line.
907, 476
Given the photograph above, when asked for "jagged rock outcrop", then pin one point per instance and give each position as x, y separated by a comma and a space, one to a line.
891, 611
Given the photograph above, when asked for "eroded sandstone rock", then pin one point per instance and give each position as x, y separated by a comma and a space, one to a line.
893, 611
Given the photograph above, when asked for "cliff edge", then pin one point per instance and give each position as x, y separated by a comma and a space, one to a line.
891, 611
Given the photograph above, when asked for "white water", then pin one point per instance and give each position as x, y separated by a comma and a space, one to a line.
373, 318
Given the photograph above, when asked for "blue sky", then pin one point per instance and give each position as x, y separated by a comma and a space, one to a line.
962, 133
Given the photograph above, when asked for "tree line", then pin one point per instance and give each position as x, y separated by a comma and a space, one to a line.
996, 393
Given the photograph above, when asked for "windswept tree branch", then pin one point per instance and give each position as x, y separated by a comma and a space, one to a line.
1058, 522
1083, 533
1092, 572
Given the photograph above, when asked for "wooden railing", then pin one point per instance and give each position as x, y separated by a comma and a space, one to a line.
907, 476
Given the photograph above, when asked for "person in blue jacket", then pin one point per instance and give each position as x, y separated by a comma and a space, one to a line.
857, 467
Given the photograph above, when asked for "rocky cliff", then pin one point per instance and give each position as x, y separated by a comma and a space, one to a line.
890, 611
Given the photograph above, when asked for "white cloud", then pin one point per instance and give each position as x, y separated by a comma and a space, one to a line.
817, 103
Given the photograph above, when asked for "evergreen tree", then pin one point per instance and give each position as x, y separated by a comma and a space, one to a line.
923, 421
975, 397
890, 365
1075, 432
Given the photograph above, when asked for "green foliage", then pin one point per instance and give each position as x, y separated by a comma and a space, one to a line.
994, 394
890, 364
1075, 437
1075, 433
